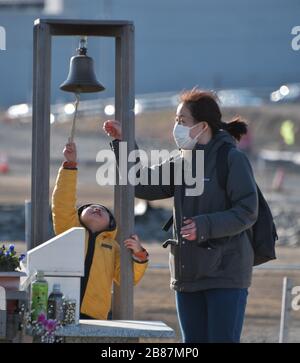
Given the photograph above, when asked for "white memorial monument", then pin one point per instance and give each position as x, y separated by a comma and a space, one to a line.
62, 261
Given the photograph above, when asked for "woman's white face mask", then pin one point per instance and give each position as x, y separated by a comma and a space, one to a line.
182, 136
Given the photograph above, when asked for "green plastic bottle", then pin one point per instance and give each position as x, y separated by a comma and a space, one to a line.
39, 296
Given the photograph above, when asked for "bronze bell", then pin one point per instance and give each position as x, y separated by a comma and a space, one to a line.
81, 77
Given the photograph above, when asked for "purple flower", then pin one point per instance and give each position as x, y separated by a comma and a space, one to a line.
11, 248
22, 256
7, 253
51, 325
41, 318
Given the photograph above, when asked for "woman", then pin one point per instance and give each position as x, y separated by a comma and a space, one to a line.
211, 261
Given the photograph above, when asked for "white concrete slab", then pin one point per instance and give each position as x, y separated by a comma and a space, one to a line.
118, 328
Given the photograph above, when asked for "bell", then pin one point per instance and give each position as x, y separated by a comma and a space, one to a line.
81, 77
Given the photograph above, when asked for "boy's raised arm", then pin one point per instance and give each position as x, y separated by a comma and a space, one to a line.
64, 211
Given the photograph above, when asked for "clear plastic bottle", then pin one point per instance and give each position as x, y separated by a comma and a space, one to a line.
69, 311
55, 304
39, 296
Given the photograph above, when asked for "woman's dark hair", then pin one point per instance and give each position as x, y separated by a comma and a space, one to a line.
204, 106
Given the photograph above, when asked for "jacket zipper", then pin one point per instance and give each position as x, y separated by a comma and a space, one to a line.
88, 263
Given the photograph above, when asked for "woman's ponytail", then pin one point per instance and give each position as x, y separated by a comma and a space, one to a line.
236, 127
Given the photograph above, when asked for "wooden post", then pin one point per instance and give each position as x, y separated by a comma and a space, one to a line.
3, 315
28, 225
40, 134
124, 194
286, 306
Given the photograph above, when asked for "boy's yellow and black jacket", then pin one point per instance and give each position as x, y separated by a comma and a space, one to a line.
102, 251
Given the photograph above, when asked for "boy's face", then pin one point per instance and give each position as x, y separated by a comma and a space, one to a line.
95, 217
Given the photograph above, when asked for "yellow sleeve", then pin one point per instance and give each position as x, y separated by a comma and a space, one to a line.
64, 211
138, 268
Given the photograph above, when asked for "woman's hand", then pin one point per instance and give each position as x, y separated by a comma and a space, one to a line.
189, 230
70, 152
133, 243
113, 129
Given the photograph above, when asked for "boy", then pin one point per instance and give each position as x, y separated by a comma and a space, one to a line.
102, 252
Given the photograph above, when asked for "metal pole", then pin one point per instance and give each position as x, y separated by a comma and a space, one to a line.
40, 134
124, 194
28, 225
285, 309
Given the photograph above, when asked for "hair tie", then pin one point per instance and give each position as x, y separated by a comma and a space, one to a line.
223, 125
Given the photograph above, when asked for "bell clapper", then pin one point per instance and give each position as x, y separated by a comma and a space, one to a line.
77, 95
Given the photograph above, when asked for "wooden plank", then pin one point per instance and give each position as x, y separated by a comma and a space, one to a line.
83, 22
91, 30
16, 295
40, 134
124, 194
109, 28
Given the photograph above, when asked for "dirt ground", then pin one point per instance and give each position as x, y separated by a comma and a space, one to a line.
153, 298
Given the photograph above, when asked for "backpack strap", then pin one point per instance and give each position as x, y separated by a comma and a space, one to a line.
222, 164
168, 224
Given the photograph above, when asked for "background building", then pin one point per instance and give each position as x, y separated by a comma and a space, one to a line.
179, 44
